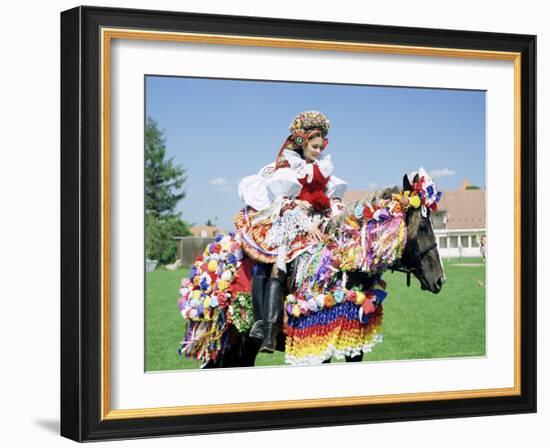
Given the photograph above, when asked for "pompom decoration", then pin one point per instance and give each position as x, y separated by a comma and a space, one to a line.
223, 285
368, 213
339, 296
213, 301
415, 201
320, 301
207, 303
312, 306
212, 265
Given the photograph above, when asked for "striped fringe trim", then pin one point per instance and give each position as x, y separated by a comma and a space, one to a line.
337, 332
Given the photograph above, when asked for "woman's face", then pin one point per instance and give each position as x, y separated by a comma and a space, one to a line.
313, 149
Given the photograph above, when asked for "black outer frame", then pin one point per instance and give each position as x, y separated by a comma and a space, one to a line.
80, 223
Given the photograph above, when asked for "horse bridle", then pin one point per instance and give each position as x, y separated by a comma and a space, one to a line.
400, 267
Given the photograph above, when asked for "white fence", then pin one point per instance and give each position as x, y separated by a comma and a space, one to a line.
459, 242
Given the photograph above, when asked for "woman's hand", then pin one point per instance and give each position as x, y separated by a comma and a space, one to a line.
315, 234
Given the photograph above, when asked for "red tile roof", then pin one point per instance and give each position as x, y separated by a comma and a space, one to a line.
465, 208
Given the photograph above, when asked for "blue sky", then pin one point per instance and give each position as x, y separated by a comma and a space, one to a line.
223, 130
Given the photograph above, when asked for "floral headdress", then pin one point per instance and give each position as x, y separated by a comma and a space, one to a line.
305, 125
427, 190
308, 120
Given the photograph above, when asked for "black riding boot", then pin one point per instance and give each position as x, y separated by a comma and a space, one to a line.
273, 311
258, 288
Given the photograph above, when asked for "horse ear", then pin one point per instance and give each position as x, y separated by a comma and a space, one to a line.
406, 183
416, 178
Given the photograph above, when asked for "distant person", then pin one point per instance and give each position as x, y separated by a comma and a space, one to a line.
482, 247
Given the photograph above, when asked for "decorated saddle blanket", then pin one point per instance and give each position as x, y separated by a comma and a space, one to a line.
326, 316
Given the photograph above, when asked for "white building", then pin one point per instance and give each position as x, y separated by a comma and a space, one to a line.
453, 243
461, 222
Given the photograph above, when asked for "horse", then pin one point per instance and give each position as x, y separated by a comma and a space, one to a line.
419, 257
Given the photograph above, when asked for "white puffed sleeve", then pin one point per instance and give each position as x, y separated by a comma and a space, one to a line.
253, 191
325, 165
261, 190
283, 183
336, 187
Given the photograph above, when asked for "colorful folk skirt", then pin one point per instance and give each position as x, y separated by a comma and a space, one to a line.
253, 239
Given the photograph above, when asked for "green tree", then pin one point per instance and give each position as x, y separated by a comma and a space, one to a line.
472, 187
163, 190
160, 243
163, 179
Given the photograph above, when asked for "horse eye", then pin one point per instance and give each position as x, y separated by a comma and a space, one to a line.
423, 227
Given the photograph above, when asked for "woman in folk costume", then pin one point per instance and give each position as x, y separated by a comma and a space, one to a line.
288, 205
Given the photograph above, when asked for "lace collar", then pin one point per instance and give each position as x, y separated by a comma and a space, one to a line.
302, 168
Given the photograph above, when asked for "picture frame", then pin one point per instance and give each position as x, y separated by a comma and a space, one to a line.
86, 37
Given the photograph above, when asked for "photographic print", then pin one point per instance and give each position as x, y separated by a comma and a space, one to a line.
295, 223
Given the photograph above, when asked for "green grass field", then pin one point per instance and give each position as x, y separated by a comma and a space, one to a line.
417, 324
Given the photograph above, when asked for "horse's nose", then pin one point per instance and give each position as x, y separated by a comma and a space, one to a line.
438, 285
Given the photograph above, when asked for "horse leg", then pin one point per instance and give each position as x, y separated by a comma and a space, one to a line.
249, 351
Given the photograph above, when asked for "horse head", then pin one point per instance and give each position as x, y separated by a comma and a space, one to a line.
420, 255
414, 251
